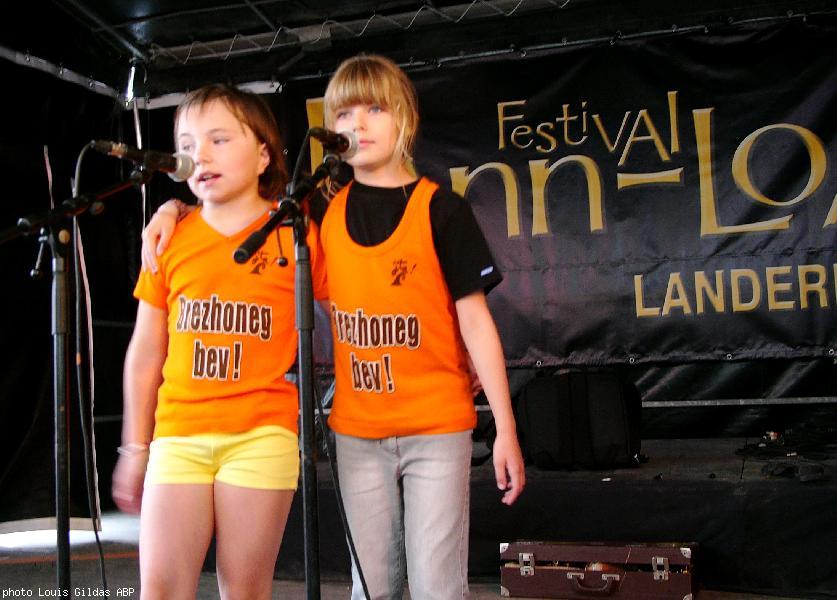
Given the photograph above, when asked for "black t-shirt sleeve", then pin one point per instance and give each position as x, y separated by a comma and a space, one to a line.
317, 205
463, 252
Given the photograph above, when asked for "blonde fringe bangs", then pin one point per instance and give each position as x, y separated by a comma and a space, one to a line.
375, 80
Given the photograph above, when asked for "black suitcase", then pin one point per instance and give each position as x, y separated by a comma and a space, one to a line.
586, 419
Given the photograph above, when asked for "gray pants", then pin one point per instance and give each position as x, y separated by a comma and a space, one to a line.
406, 500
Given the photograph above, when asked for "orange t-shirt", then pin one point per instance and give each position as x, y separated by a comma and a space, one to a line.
231, 329
399, 361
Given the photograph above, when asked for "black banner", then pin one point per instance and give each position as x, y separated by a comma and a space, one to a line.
659, 200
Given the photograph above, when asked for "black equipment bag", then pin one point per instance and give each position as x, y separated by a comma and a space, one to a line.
586, 419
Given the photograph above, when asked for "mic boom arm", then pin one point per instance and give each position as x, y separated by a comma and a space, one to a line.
288, 207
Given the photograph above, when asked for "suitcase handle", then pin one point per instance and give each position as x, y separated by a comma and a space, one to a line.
608, 583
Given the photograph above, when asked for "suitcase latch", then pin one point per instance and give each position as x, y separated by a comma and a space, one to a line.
659, 566
527, 564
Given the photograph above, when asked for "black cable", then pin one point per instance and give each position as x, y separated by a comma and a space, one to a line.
306, 143
80, 296
817, 444
795, 453
331, 455
743, 463
89, 462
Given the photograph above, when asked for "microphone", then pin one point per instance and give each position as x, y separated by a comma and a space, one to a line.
343, 142
178, 166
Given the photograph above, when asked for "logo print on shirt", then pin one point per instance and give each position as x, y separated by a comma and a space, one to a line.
400, 270
259, 262
262, 260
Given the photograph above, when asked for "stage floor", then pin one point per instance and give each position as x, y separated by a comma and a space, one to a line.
763, 523
761, 535
29, 565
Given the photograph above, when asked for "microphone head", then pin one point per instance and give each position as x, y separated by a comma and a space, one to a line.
352, 145
103, 146
185, 167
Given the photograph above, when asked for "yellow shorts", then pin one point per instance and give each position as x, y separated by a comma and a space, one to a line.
266, 457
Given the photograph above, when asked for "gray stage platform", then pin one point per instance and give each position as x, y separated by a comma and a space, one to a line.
29, 566
761, 535
757, 532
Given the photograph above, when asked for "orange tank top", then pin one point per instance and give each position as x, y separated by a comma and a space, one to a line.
231, 335
399, 360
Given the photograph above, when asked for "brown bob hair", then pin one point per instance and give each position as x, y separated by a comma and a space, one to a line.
251, 110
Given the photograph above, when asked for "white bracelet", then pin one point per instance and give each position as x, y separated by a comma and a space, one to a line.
132, 449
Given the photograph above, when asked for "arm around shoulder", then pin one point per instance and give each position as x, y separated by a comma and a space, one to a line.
157, 234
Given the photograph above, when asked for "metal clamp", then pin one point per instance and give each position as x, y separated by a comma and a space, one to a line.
659, 565
527, 564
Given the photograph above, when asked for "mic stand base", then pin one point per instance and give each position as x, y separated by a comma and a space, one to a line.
56, 223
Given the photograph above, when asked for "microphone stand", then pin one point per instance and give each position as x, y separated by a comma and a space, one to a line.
304, 298
55, 230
